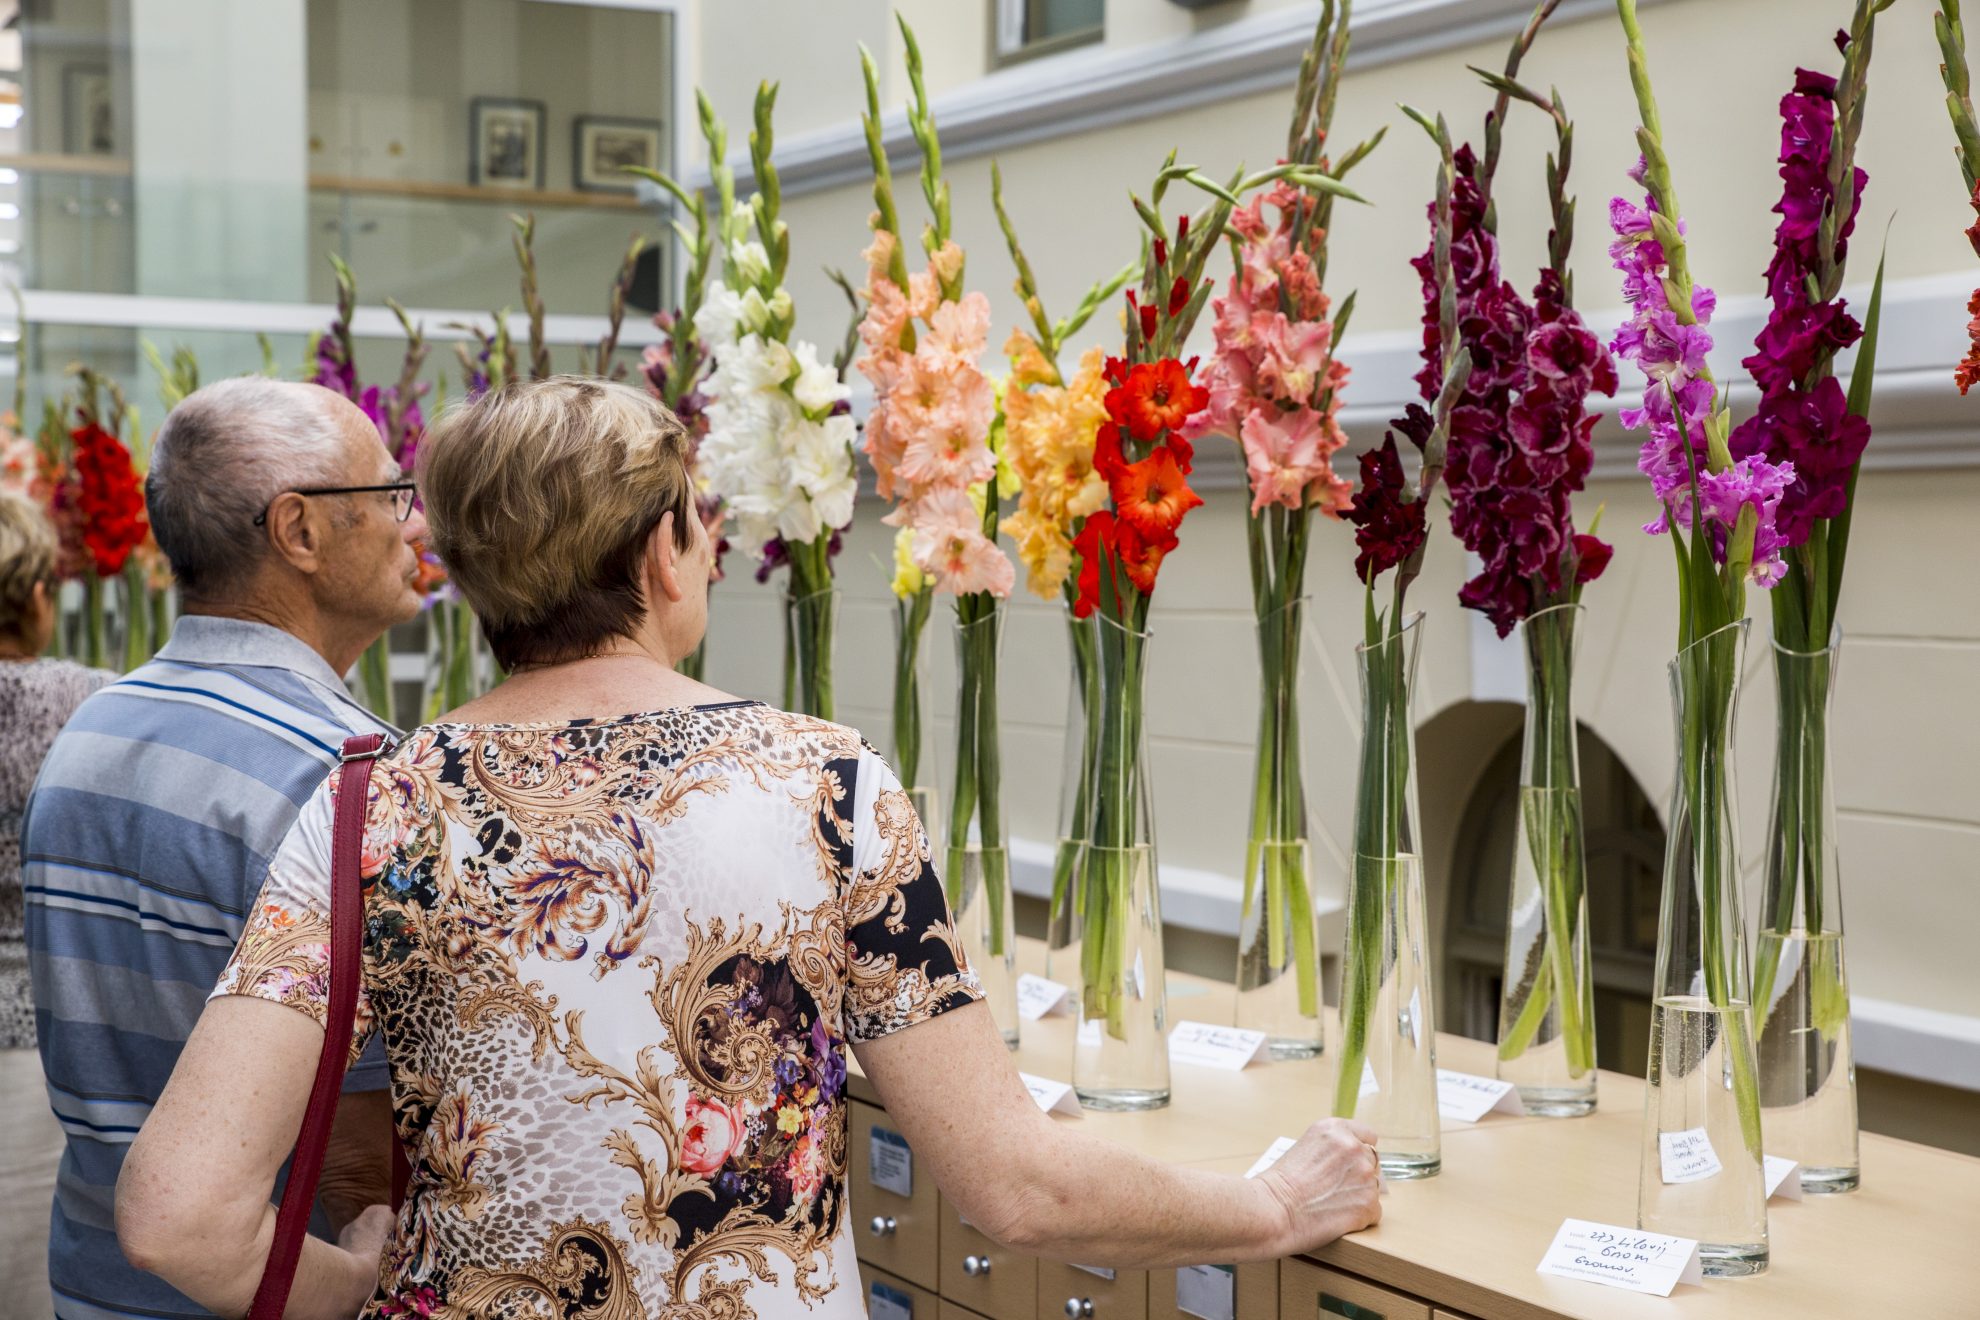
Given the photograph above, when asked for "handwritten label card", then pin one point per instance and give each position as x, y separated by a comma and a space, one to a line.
1466, 1098
1688, 1156
1270, 1157
1369, 1086
1622, 1258
1052, 1097
1089, 1033
891, 1163
1206, 1046
1038, 997
1783, 1177
1208, 1292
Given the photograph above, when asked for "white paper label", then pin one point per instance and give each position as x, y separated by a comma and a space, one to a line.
1622, 1258
1466, 1097
1207, 1046
1038, 997
884, 1303
1416, 1031
1100, 1270
1270, 1157
892, 1163
1783, 1177
1369, 1086
1688, 1156
1089, 1034
1052, 1097
1207, 1291
1140, 977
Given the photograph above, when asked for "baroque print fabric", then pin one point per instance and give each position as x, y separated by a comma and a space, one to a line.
617, 965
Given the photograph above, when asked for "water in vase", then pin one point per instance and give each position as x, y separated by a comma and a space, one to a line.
1807, 1094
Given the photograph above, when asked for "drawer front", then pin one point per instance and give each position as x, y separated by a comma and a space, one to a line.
1439, 1313
988, 1279
886, 1295
1067, 1290
951, 1311
1250, 1293
894, 1232
1313, 1292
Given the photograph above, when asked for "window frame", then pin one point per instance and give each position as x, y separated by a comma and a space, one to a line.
1000, 14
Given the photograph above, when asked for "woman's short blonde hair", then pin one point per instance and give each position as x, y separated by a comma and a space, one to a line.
541, 497
27, 558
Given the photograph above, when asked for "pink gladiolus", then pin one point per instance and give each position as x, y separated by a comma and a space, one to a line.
950, 546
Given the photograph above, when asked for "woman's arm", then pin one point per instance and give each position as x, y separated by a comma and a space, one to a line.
1048, 1189
193, 1199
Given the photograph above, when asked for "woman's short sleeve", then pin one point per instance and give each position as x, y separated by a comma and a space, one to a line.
904, 960
283, 954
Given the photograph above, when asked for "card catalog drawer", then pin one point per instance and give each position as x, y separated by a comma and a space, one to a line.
893, 1203
950, 1311
1085, 1294
991, 1280
1208, 1292
1313, 1292
890, 1297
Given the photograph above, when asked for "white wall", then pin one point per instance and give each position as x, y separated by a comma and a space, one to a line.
1907, 734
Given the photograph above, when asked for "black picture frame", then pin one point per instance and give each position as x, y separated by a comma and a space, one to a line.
516, 159
600, 144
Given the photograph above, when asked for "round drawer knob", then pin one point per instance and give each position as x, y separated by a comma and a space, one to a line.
976, 1266
1079, 1308
882, 1226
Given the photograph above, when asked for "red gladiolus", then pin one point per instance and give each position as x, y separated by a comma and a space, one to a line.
109, 499
1155, 397
1153, 496
1968, 371
1095, 540
1141, 556
1591, 556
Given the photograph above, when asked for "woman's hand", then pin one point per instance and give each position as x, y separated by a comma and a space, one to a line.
1327, 1184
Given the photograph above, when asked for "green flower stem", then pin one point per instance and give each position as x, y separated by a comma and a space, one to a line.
912, 613
1119, 798
808, 637
979, 773
138, 642
1086, 680
694, 664
96, 650
375, 679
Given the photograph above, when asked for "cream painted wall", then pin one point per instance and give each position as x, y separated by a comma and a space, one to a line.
1907, 731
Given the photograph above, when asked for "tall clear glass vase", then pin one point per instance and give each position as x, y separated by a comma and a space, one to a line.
977, 869
1120, 1053
1062, 920
1701, 1175
809, 622
1547, 999
1388, 1052
1278, 971
1800, 988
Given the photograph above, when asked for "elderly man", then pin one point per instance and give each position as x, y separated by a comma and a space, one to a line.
290, 529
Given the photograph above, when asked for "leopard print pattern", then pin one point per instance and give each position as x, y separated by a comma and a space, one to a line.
616, 965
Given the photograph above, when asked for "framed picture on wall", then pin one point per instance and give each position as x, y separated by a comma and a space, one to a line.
603, 146
89, 111
505, 142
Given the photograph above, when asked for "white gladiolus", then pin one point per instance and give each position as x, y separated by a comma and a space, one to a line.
750, 261
818, 386
716, 322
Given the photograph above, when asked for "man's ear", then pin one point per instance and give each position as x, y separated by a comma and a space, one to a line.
663, 559
295, 532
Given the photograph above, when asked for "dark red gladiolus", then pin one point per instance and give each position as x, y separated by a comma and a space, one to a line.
1387, 528
109, 499
1521, 435
1803, 417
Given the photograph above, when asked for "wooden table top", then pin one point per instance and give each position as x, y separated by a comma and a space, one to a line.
1906, 1244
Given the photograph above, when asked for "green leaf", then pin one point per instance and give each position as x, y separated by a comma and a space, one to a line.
1862, 378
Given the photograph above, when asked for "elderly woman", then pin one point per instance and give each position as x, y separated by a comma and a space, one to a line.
37, 696
621, 929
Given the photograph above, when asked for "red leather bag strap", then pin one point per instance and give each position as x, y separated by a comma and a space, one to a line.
346, 936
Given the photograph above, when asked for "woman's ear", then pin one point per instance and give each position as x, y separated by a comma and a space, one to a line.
663, 559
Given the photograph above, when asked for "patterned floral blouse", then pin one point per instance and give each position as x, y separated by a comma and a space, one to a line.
617, 965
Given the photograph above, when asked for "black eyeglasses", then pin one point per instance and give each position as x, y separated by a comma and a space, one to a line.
404, 494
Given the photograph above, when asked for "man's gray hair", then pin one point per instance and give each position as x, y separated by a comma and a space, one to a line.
220, 457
